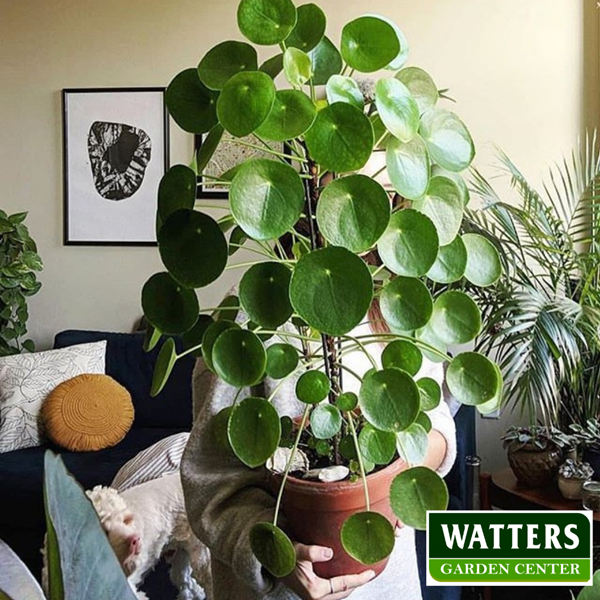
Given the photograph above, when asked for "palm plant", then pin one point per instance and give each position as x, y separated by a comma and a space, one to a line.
542, 317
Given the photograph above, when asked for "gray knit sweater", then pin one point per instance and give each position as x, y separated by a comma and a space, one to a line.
224, 499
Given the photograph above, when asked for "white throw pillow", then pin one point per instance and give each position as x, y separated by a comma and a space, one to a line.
26, 380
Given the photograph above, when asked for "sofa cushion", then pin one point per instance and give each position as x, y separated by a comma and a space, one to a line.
127, 362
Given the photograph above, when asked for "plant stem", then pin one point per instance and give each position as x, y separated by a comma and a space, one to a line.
289, 463
360, 460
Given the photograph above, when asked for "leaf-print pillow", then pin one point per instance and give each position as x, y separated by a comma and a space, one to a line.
26, 380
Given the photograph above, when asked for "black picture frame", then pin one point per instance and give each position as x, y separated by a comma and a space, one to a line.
224, 159
139, 117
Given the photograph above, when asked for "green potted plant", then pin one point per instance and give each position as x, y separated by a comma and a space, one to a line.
312, 219
587, 438
19, 265
535, 452
571, 475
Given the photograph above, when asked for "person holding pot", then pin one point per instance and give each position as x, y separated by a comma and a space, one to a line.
224, 498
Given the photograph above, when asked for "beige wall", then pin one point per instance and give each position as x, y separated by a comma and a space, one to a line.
516, 68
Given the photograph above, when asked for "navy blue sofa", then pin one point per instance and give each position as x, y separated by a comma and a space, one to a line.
21, 471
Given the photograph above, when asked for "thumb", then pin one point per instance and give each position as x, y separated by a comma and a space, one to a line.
313, 553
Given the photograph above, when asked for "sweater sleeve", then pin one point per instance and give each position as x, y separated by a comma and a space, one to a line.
441, 416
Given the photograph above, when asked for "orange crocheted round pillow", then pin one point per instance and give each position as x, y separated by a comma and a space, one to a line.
88, 412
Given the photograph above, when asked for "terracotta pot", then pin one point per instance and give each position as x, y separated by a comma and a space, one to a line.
316, 511
534, 467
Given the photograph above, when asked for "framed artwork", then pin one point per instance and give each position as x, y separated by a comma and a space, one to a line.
115, 152
227, 156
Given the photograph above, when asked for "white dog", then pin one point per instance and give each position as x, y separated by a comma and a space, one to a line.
148, 521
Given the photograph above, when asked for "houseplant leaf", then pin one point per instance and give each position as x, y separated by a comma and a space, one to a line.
312, 387
397, 109
326, 61
451, 262
369, 44
165, 361
483, 261
421, 86
344, 89
406, 304
266, 198
191, 104
193, 337
245, 102
473, 379
296, 66
16, 581
265, 294
90, 567
272, 66
408, 166
239, 357
212, 333
456, 319
282, 359
389, 399
169, 306
193, 248
309, 29
414, 492
402, 354
331, 289
325, 421
431, 393
448, 140
292, 114
177, 189
412, 443
353, 212
225, 60
377, 446
273, 549
266, 22
410, 244
341, 138
254, 431
368, 537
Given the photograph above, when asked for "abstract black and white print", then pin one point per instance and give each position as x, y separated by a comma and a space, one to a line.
119, 155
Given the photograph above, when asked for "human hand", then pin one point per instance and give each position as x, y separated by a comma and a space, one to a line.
309, 586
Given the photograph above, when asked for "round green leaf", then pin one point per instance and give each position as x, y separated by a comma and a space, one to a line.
495, 403
212, 333
424, 421
225, 60
341, 138
447, 138
412, 444
331, 289
237, 238
239, 357
458, 180
414, 492
169, 306
443, 205
397, 109
483, 261
326, 61
309, 29
347, 401
402, 56
287, 426
217, 430
193, 337
282, 359
151, 338
389, 399
431, 393
266, 198
456, 319
273, 549
410, 244
266, 22
193, 248
264, 294
296, 66
191, 104
406, 304
408, 166
402, 354
421, 86
451, 262
369, 44
312, 387
177, 189
292, 114
344, 89
245, 102
254, 431
325, 421
347, 448
473, 379
368, 537
165, 361
377, 446
428, 335
228, 309
353, 212
272, 66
